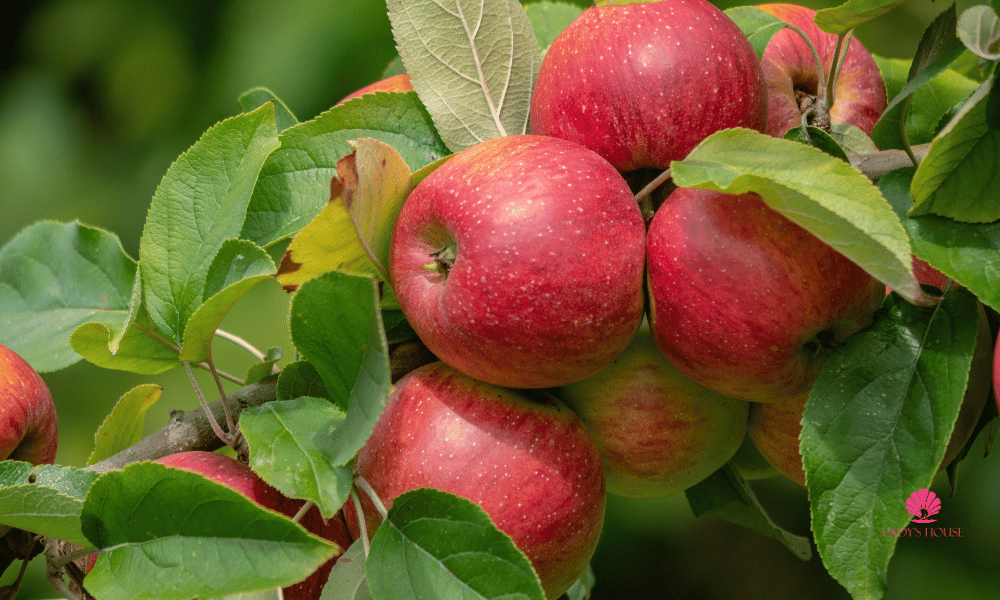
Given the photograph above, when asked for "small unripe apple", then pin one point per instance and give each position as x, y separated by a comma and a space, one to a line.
793, 79
239, 477
658, 431
745, 302
775, 427
395, 83
28, 426
528, 462
519, 261
643, 84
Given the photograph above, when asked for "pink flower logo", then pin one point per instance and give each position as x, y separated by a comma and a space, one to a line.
923, 504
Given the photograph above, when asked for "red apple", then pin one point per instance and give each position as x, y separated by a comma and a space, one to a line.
28, 427
529, 463
395, 83
643, 84
658, 431
745, 302
520, 262
237, 476
793, 79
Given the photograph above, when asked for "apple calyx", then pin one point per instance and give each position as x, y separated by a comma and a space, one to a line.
444, 259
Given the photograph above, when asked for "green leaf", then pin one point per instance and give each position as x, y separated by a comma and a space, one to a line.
265, 368
960, 175
170, 535
253, 99
851, 138
757, 25
294, 183
979, 29
929, 103
841, 19
142, 347
44, 499
434, 544
875, 430
726, 494
283, 452
53, 278
347, 578
818, 139
938, 48
472, 62
822, 194
349, 352
200, 203
299, 379
124, 426
967, 253
548, 19
238, 267
353, 231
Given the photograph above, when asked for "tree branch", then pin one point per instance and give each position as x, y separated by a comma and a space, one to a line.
876, 164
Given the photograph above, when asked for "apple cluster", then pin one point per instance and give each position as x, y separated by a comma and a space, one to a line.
585, 347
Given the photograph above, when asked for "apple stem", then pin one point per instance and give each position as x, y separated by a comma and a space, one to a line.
839, 56
444, 259
303, 510
204, 405
65, 559
368, 489
652, 185
362, 526
823, 103
242, 343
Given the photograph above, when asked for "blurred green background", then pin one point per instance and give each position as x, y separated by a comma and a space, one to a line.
98, 97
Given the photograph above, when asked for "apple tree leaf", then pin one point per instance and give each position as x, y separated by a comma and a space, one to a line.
55, 277
851, 138
979, 29
472, 62
200, 203
820, 193
548, 19
124, 426
726, 494
960, 175
265, 368
930, 103
238, 267
434, 544
938, 48
757, 25
347, 578
253, 99
294, 182
968, 253
142, 347
337, 326
875, 429
283, 451
353, 230
170, 534
299, 379
818, 139
838, 20
44, 499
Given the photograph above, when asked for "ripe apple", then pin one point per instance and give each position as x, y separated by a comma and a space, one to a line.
529, 462
659, 432
793, 80
745, 302
29, 429
925, 273
643, 84
520, 262
238, 476
775, 427
395, 83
